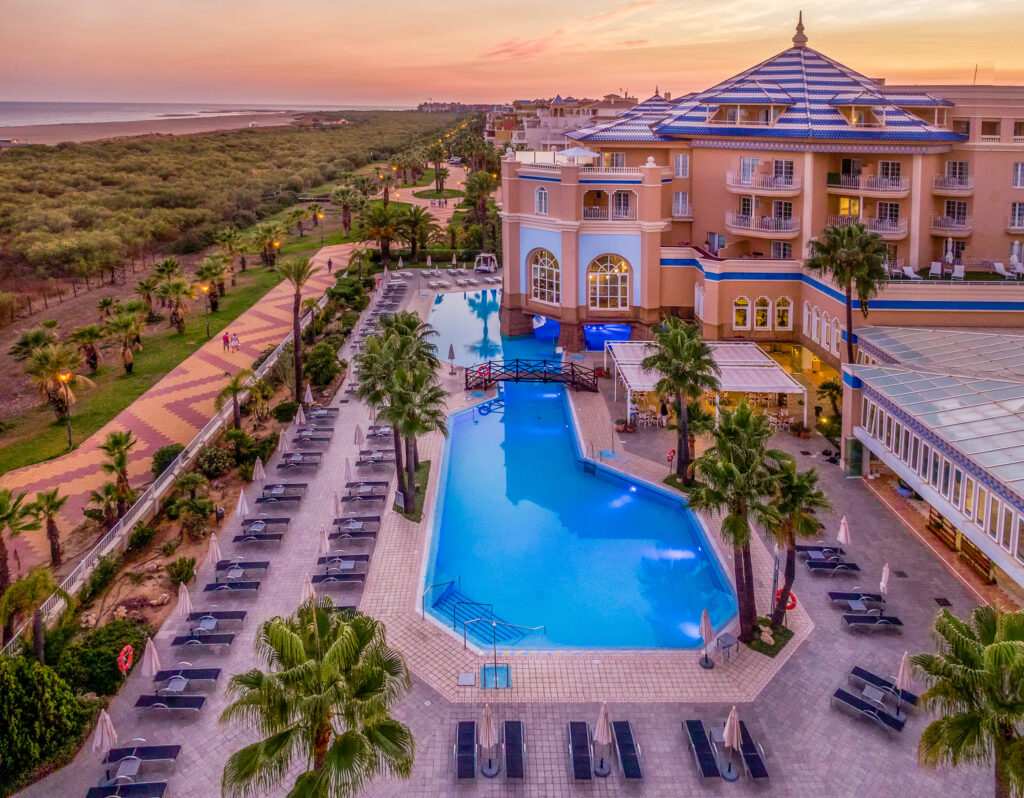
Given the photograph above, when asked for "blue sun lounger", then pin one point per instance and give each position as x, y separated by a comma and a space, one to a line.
863, 709
188, 703
581, 762
627, 750
703, 753
832, 567
753, 756
515, 749
872, 621
465, 749
861, 677
142, 789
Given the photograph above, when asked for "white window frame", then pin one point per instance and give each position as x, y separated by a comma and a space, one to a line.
1017, 214
680, 203
836, 336
615, 160
782, 250
826, 330
616, 287
889, 170
784, 304
1018, 174
958, 170
742, 305
807, 319
816, 326
540, 201
545, 277
765, 304
681, 164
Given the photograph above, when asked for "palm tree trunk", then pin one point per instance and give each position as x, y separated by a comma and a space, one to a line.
748, 621
779, 611
1001, 784
399, 468
741, 594
849, 322
297, 342
683, 441
321, 745
38, 634
385, 251
236, 412
410, 463
53, 535
346, 218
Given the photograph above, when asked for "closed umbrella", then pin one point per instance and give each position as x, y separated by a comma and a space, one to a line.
707, 634
451, 358
401, 265
259, 473
358, 435
337, 505
844, 532
603, 738
325, 543
242, 508
455, 261
308, 594
106, 736
487, 738
883, 586
150, 660
184, 602
308, 396
300, 417
429, 264
215, 555
904, 680
733, 739
348, 471
949, 250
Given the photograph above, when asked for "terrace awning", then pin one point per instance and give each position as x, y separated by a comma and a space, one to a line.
745, 368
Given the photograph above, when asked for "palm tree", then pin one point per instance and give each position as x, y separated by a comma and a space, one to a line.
235, 387
117, 446
315, 212
976, 685
26, 597
48, 367
106, 306
125, 329
688, 369
106, 498
452, 232
796, 501
216, 269
435, 154
47, 507
479, 187
418, 406
262, 238
16, 516
146, 288
350, 200
383, 224
168, 269
365, 185
322, 706
87, 337
176, 292
385, 182
419, 226
359, 258
31, 340
736, 477
230, 240
855, 260
831, 389
296, 217
380, 359
298, 273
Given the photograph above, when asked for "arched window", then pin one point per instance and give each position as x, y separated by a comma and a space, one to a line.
545, 277
762, 313
783, 318
835, 336
815, 325
608, 283
540, 201
741, 313
807, 319
826, 332
698, 301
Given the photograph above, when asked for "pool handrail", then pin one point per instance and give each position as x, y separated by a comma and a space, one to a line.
493, 622
455, 607
423, 598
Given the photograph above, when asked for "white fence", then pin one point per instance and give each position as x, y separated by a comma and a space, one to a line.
148, 503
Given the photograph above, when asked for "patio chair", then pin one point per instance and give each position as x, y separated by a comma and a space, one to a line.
580, 752
862, 708
873, 620
861, 677
958, 272
141, 789
753, 756
935, 270
514, 738
832, 567
703, 754
626, 750
910, 274
1001, 269
465, 749
173, 703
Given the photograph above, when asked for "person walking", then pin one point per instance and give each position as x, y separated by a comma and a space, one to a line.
226, 340
235, 345
330, 265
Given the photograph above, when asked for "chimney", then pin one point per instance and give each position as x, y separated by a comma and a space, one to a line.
668, 95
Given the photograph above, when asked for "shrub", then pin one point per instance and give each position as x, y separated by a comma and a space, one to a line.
193, 524
89, 664
182, 570
170, 547
264, 448
286, 411
212, 462
261, 359
164, 456
100, 578
242, 443
142, 535
42, 719
349, 319
245, 470
321, 366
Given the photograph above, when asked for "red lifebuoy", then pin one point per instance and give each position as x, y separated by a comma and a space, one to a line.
484, 371
790, 603
124, 659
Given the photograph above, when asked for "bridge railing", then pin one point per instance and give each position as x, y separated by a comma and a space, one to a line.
484, 375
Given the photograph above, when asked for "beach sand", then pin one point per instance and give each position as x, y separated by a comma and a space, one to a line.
93, 131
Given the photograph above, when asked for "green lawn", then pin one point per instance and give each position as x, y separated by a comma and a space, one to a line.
426, 179
448, 193
36, 436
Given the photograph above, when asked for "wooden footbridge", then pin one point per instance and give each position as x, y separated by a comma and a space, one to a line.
484, 375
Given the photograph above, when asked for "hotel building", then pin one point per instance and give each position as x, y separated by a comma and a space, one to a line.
703, 206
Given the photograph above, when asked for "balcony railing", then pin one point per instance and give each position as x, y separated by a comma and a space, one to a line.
682, 212
887, 226
600, 213
842, 220
869, 182
952, 223
954, 183
766, 224
762, 182
1015, 224
612, 170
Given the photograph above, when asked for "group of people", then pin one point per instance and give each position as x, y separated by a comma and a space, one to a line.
439, 203
634, 411
230, 341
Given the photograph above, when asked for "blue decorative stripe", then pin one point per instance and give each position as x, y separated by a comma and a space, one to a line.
852, 380
540, 179
616, 182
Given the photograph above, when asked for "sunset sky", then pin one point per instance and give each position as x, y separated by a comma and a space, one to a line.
399, 52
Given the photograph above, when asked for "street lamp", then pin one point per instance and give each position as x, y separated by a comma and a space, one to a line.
277, 251
65, 378
320, 224
206, 298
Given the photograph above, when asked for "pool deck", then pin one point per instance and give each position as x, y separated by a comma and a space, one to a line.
811, 749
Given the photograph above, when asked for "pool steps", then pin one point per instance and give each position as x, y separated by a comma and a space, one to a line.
465, 609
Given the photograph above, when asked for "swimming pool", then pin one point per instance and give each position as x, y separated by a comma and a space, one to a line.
532, 533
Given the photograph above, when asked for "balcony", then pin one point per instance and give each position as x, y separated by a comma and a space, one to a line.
952, 225
599, 213
842, 220
888, 229
868, 185
1015, 224
953, 186
739, 183
682, 212
762, 226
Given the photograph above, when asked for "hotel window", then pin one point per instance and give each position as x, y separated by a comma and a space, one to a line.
936, 460
1007, 535
1018, 132
958, 483
926, 453
680, 203
782, 210
887, 440
807, 319
890, 253
782, 172
716, 241
979, 514
968, 497
540, 201
905, 449
1020, 537
826, 331
783, 317
741, 313
889, 212
815, 326
682, 164
732, 115
782, 250
849, 206
990, 130
1017, 214
897, 434
889, 171
747, 167
913, 453
762, 313
1018, 175
956, 209
947, 470
836, 337
615, 160
956, 171
621, 201
962, 126
993, 518
545, 277
608, 283
746, 207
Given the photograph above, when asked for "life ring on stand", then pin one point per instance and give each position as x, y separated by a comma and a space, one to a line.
124, 659
790, 603
484, 371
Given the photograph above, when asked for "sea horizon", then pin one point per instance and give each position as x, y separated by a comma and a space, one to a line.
30, 113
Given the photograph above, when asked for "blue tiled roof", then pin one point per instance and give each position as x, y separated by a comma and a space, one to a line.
656, 104
625, 128
753, 92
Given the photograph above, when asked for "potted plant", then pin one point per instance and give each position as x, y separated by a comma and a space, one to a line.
795, 428
805, 431
620, 425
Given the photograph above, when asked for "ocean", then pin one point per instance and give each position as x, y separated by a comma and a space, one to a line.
20, 114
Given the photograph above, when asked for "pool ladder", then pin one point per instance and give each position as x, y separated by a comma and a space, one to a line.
423, 599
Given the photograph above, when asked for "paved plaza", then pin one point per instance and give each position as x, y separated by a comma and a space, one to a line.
812, 749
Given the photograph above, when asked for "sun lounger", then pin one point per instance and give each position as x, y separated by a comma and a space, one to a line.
137, 757
369, 497
202, 640
703, 754
287, 502
353, 534
259, 537
958, 272
179, 680
175, 703
247, 566
872, 621
627, 751
753, 756
465, 749
935, 270
909, 273
141, 789
832, 567
286, 489
580, 754
856, 600
334, 558
208, 620
311, 441
233, 588
262, 523
1001, 270
514, 739
861, 677
826, 551
330, 580
864, 709
318, 412
367, 489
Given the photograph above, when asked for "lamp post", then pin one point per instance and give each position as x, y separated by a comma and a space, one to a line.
277, 251
65, 378
206, 297
320, 224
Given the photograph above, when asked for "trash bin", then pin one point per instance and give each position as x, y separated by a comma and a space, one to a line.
220, 513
